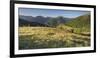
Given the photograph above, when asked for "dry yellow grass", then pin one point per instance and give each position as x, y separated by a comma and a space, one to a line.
47, 37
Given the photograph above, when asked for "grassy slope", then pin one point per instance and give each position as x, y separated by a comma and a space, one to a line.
80, 24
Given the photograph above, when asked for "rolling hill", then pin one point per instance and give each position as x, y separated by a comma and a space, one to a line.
79, 22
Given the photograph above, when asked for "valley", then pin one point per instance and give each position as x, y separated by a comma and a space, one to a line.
56, 32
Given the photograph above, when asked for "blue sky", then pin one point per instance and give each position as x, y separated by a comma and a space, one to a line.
51, 12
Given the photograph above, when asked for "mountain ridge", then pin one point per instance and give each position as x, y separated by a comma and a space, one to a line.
43, 20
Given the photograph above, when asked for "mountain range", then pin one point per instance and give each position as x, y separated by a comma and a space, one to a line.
78, 22
40, 20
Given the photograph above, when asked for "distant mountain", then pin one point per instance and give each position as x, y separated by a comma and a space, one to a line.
28, 23
79, 22
41, 20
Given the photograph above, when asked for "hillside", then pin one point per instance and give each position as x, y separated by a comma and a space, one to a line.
79, 22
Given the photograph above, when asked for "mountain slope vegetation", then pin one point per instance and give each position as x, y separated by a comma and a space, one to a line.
79, 22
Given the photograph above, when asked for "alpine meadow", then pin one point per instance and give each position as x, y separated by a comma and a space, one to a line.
50, 28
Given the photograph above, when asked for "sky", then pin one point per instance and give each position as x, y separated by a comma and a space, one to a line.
50, 12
